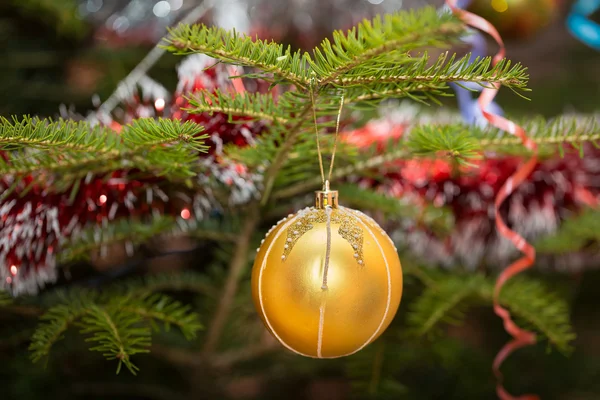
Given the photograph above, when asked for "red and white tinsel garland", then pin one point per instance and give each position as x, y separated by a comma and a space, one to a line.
35, 225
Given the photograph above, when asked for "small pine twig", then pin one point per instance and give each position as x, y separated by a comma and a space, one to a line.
449, 29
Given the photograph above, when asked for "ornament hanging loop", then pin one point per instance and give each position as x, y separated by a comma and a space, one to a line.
318, 141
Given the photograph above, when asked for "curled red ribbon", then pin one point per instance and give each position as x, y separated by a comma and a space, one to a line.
520, 336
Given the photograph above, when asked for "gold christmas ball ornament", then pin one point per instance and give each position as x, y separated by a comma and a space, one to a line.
327, 280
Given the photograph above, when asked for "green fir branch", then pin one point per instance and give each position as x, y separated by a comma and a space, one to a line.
161, 308
235, 48
54, 322
39, 134
373, 95
372, 42
70, 151
435, 75
465, 142
256, 106
432, 140
117, 334
448, 297
542, 310
119, 323
444, 303
574, 234
374, 50
151, 132
552, 135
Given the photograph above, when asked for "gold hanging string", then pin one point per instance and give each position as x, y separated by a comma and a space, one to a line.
335, 141
337, 131
312, 99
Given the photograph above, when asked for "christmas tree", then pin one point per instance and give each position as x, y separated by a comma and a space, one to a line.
128, 243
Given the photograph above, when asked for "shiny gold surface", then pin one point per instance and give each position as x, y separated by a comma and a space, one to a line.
360, 300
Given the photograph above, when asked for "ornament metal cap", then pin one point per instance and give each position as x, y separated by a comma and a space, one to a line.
326, 197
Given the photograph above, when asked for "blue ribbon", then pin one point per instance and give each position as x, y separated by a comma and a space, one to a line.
581, 26
469, 109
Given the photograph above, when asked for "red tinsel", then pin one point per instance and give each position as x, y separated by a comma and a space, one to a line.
556, 189
34, 225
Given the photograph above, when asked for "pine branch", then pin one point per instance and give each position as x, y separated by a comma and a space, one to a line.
70, 151
463, 143
446, 300
119, 321
151, 132
375, 94
371, 61
158, 307
54, 323
552, 134
544, 311
45, 134
233, 48
435, 77
574, 234
443, 303
373, 41
431, 140
117, 334
255, 106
